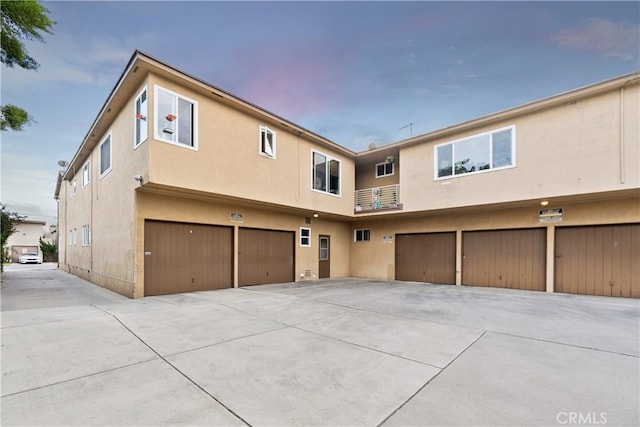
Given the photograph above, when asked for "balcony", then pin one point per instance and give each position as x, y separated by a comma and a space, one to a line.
378, 198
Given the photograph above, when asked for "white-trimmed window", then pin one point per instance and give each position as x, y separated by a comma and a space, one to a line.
478, 153
74, 187
326, 173
141, 125
85, 174
175, 118
105, 155
267, 142
72, 237
86, 235
362, 235
305, 236
384, 169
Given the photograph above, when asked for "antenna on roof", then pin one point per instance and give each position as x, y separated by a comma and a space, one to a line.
410, 126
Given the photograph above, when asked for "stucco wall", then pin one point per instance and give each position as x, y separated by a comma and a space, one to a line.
107, 204
573, 148
227, 160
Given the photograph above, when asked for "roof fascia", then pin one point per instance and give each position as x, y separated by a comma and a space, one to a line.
76, 156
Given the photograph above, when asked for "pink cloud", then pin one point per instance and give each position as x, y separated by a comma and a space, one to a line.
602, 36
291, 84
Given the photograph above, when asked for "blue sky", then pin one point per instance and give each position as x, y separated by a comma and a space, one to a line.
355, 72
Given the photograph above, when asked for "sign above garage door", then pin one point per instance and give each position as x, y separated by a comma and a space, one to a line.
550, 215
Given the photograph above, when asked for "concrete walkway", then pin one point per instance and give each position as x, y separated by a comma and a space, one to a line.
343, 352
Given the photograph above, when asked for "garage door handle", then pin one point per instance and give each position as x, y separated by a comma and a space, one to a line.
147, 253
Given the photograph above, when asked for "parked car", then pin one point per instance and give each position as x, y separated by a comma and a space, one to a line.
30, 257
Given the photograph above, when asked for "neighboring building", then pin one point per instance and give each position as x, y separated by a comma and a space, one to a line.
181, 186
26, 238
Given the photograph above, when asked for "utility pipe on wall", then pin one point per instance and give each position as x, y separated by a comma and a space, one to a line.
622, 174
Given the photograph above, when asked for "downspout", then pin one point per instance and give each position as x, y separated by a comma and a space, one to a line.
622, 172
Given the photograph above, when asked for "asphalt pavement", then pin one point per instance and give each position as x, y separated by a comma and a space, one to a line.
342, 352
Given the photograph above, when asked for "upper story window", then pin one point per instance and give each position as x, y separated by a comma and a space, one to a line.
105, 155
86, 235
85, 174
175, 118
326, 173
362, 235
74, 187
477, 153
267, 142
140, 120
384, 169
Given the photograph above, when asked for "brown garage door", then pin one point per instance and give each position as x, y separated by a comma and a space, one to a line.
426, 257
265, 256
505, 259
183, 257
598, 260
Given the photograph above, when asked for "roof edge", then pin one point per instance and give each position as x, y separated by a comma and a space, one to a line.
553, 100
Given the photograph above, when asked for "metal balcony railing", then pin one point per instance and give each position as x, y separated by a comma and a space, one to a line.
385, 197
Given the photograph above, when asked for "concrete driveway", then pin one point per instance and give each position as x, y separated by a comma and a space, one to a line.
342, 352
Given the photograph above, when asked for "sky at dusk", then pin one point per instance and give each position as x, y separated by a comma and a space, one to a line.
357, 73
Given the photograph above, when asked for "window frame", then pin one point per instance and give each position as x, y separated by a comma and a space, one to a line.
104, 141
393, 169
194, 123
264, 130
328, 159
491, 168
139, 116
86, 173
327, 255
365, 234
307, 237
74, 187
86, 235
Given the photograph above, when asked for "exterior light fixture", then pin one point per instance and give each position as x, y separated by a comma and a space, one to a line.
544, 203
316, 215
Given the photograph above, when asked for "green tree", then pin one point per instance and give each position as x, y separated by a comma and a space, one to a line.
20, 20
49, 250
12, 117
10, 220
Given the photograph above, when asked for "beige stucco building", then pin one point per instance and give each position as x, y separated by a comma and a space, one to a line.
26, 238
181, 186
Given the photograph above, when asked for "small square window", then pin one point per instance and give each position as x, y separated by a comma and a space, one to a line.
74, 187
362, 235
305, 236
175, 118
384, 169
267, 142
